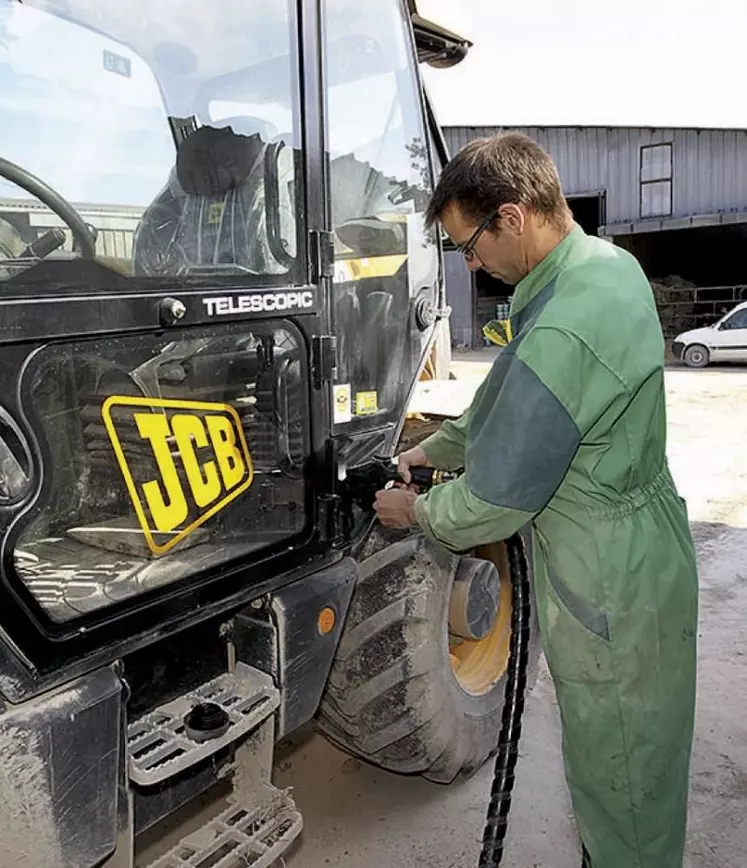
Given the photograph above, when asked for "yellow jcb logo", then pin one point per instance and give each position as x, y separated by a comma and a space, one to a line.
182, 461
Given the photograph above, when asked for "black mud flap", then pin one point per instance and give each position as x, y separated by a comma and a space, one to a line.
59, 775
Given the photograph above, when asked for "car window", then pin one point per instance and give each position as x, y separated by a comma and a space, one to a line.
737, 320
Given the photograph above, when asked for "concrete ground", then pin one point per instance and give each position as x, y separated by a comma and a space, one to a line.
359, 817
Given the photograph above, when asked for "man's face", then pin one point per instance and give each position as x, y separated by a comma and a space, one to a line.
498, 250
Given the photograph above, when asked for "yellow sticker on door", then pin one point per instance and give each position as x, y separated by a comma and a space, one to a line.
182, 462
366, 403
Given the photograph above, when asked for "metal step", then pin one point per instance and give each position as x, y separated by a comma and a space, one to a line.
158, 745
239, 837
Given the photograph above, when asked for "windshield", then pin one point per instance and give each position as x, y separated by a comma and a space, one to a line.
166, 135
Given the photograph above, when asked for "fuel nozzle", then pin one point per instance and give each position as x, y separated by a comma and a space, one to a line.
427, 477
362, 482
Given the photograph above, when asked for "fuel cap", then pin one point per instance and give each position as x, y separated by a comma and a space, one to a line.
206, 721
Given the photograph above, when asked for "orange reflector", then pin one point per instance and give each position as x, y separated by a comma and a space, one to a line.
327, 620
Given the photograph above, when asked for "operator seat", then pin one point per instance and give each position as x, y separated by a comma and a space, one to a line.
211, 212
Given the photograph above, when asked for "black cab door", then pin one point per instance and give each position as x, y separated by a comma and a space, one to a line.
158, 310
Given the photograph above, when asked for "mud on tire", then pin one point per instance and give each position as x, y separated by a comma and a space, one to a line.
392, 697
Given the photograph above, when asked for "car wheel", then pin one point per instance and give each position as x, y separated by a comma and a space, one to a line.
697, 356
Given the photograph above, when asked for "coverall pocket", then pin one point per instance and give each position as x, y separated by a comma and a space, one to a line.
576, 634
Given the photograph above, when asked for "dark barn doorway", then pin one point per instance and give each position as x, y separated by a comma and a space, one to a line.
589, 211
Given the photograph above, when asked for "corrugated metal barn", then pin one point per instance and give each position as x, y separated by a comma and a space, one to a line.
677, 198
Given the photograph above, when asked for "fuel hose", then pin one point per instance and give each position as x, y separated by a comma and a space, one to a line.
496, 823
507, 752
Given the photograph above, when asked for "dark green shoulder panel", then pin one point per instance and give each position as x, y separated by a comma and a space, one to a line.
521, 439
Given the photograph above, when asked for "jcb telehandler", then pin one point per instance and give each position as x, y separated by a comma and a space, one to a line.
216, 298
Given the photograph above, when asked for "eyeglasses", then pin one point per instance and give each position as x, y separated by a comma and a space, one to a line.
468, 248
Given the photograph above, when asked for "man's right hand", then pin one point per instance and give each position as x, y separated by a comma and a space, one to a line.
414, 457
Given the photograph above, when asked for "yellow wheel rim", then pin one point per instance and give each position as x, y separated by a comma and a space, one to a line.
479, 665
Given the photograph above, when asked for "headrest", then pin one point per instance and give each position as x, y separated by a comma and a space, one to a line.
247, 125
212, 161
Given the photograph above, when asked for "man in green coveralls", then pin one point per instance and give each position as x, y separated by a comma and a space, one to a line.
568, 434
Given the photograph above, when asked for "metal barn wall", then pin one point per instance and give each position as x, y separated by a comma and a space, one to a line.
709, 173
116, 224
458, 282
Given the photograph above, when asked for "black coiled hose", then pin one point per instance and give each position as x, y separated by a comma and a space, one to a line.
516, 681
496, 823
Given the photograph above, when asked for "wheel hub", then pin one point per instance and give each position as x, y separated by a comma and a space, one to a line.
475, 599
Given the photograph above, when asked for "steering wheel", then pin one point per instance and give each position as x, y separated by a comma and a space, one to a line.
49, 197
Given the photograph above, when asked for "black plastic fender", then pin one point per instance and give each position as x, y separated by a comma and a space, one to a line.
286, 641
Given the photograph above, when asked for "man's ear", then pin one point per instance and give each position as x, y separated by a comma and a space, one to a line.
513, 218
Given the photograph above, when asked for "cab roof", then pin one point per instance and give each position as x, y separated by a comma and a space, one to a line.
436, 45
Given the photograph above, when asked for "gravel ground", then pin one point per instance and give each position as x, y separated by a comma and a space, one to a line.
359, 817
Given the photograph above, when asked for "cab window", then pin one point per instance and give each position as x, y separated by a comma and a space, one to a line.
386, 264
167, 136
165, 459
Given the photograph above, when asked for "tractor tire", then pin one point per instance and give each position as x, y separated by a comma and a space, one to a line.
393, 698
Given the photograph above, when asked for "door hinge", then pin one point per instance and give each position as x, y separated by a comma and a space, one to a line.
324, 359
322, 254
330, 524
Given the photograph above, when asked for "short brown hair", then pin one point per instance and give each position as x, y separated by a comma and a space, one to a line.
509, 168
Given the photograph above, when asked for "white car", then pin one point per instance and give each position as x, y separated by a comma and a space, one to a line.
724, 341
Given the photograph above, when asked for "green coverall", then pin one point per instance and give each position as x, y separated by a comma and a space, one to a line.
568, 433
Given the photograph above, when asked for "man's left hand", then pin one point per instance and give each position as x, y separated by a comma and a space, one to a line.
395, 507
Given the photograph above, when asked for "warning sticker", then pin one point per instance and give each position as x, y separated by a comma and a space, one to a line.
117, 64
342, 403
366, 403
215, 212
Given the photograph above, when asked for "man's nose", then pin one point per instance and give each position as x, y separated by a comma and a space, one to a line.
474, 263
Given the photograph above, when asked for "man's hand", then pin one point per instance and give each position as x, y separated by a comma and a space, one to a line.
396, 507
414, 457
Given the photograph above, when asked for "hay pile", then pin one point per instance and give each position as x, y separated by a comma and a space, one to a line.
675, 301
